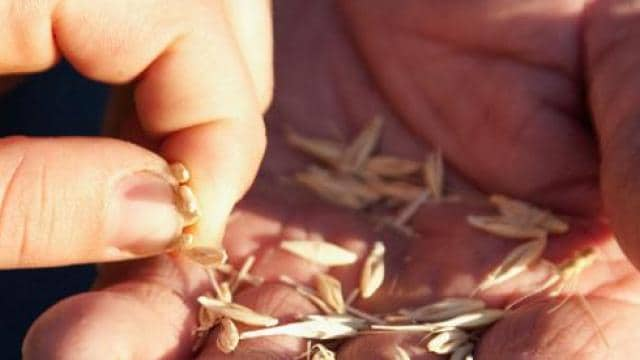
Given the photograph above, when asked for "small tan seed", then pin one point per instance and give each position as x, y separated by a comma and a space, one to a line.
228, 336
372, 275
316, 329
320, 252
516, 262
324, 150
447, 341
528, 215
207, 256
236, 312
358, 152
445, 309
396, 190
433, 174
505, 227
340, 190
391, 167
330, 290
180, 172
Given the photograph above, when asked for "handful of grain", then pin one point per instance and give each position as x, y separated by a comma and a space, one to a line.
354, 176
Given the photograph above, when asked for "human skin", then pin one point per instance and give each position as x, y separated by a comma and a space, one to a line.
532, 99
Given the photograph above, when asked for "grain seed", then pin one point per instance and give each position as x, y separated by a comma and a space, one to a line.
527, 214
339, 190
320, 252
236, 312
180, 172
228, 336
391, 167
473, 320
516, 262
187, 202
330, 290
400, 354
326, 151
320, 352
316, 329
445, 309
505, 227
358, 152
372, 275
447, 341
307, 293
395, 190
433, 174
207, 256
407, 212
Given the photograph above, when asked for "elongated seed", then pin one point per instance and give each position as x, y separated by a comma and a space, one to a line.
310, 329
228, 337
337, 190
515, 263
372, 275
236, 312
391, 167
433, 173
320, 352
323, 150
396, 190
358, 152
400, 354
447, 341
206, 256
180, 172
320, 252
527, 214
330, 290
445, 309
472, 320
505, 227
187, 200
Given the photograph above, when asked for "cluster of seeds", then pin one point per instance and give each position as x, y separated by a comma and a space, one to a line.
354, 177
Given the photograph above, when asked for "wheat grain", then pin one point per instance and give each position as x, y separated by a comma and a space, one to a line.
527, 214
236, 312
316, 329
391, 167
320, 252
326, 151
433, 174
180, 173
358, 152
445, 309
395, 190
338, 189
372, 275
447, 341
516, 262
330, 290
228, 336
207, 256
505, 227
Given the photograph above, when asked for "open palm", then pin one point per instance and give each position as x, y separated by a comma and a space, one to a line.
498, 86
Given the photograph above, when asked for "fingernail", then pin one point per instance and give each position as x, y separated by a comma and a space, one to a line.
143, 218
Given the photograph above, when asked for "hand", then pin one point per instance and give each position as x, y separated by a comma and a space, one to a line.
200, 78
499, 88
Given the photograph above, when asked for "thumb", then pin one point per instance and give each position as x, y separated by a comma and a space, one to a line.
76, 200
612, 41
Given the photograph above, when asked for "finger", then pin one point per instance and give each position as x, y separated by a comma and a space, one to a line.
509, 123
144, 309
614, 80
192, 90
251, 24
568, 332
77, 200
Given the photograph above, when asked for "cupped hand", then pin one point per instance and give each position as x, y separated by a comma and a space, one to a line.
506, 91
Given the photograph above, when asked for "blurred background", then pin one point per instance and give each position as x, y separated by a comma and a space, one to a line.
56, 103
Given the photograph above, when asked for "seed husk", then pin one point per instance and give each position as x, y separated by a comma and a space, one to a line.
447, 341
320, 352
316, 329
472, 320
330, 290
236, 312
228, 336
445, 309
516, 262
391, 167
180, 172
527, 214
433, 174
396, 190
338, 189
505, 227
358, 152
326, 151
372, 275
320, 252
207, 256
463, 352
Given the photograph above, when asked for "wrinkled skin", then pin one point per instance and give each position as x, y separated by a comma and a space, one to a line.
505, 89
